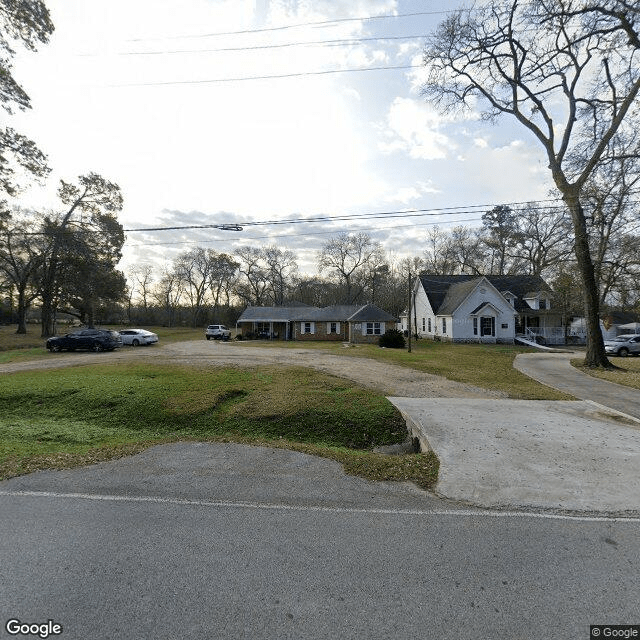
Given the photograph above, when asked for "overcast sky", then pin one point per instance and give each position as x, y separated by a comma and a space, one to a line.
176, 101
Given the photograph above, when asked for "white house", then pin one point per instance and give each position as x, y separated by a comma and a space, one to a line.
466, 308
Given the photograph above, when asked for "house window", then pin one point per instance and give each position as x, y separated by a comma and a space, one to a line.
373, 329
542, 303
423, 324
429, 324
487, 326
444, 326
475, 326
333, 327
307, 327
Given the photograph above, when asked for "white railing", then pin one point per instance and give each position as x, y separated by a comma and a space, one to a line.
553, 335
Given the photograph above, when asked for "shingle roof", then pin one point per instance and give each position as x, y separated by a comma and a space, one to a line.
437, 289
371, 313
334, 313
274, 314
455, 296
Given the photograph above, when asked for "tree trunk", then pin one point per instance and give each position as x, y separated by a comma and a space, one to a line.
595, 356
46, 316
22, 311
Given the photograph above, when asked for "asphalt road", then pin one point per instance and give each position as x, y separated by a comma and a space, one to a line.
226, 541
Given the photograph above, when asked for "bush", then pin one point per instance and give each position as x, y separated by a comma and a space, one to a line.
392, 339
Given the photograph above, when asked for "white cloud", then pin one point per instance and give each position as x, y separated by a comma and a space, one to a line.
415, 128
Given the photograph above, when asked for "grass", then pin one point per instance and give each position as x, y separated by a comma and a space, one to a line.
68, 417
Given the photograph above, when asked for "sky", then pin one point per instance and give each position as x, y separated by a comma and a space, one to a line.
264, 111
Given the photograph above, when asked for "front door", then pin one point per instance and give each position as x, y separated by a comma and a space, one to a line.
488, 326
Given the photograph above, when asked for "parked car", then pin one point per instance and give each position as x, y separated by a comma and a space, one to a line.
623, 345
93, 339
136, 337
217, 332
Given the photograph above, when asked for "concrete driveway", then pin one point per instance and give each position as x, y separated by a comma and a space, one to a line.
567, 456
555, 370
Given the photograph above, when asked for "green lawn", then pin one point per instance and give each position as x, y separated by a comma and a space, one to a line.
65, 417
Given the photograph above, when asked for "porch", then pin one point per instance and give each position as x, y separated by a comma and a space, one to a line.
553, 335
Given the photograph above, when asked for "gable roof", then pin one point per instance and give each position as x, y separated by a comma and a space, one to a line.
483, 305
371, 313
456, 295
447, 290
333, 313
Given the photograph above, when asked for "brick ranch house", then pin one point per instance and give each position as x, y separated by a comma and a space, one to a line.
339, 323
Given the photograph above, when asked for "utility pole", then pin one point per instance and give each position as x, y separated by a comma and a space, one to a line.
409, 313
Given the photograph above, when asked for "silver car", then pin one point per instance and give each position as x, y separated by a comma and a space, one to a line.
624, 345
136, 337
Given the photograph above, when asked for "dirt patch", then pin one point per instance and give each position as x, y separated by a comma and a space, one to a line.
389, 379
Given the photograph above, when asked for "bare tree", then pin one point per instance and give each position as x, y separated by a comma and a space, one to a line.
541, 242
567, 71
347, 257
141, 277
439, 255
613, 216
223, 277
282, 267
168, 293
253, 287
467, 251
195, 270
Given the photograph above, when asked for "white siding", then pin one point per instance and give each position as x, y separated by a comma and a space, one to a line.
500, 309
424, 311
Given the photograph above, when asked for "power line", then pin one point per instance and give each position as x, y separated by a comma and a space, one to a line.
297, 25
266, 77
300, 43
371, 215
287, 235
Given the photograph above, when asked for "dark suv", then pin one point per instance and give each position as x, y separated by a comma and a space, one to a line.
93, 339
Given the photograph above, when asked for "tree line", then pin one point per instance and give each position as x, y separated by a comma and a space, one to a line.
67, 262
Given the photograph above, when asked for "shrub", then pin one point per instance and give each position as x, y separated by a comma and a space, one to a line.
392, 339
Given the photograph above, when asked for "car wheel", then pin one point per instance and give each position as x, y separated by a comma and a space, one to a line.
624, 352
208, 337
96, 346
54, 348
135, 343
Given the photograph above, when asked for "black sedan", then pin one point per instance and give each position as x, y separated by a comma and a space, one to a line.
93, 339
